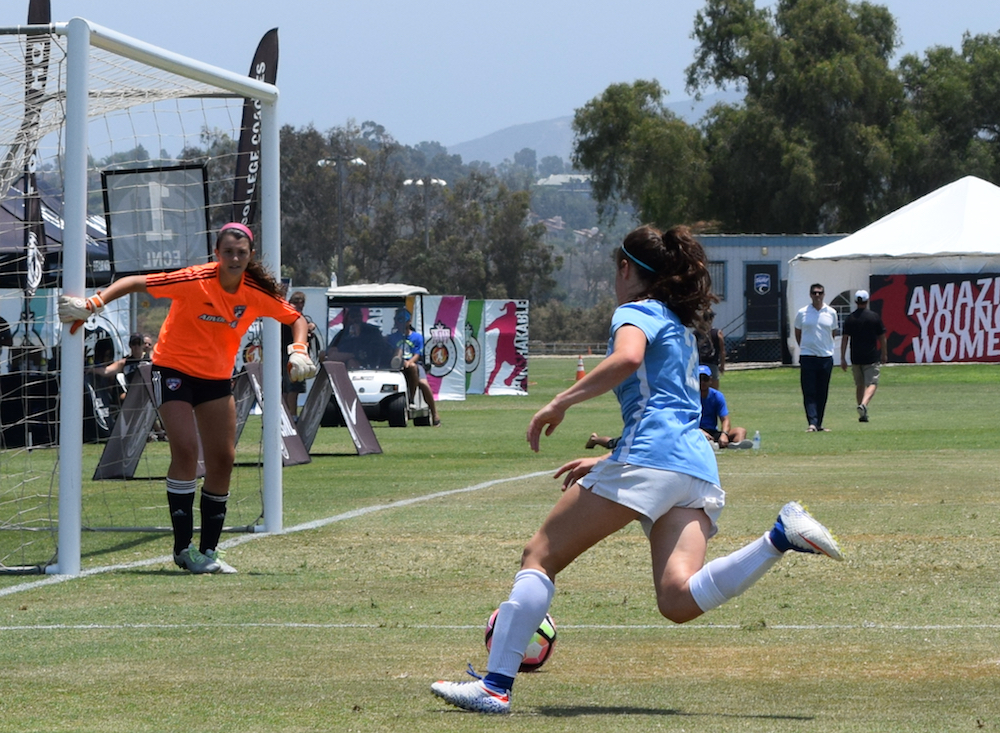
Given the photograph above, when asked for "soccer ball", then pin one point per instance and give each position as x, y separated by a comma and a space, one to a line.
539, 648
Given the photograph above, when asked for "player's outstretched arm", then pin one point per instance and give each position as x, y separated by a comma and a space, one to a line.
76, 309
629, 351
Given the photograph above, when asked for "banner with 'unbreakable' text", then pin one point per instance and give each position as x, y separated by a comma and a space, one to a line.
505, 356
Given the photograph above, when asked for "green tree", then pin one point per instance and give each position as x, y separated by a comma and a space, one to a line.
640, 156
481, 244
308, 207
519, 261
480, 241
551, 165
555, 321
526, 158
218, 155
821, 110
522, 172
954, 97
754, 170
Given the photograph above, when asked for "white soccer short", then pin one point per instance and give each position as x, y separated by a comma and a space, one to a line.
653, 491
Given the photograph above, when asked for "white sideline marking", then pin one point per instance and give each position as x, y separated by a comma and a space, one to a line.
466, 627
315, 524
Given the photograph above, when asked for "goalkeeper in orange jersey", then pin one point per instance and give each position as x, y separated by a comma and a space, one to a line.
212, 307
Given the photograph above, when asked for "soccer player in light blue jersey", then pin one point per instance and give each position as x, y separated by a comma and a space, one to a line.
662, 473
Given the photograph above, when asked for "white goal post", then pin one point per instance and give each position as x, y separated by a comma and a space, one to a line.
82, 37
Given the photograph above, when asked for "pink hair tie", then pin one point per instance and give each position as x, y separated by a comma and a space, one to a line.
243, 228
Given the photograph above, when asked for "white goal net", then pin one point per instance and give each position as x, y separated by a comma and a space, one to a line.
160, 164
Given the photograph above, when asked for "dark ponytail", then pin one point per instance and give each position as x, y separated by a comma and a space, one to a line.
672, 264
263, 277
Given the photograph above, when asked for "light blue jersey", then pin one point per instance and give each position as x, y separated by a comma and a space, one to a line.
661, 401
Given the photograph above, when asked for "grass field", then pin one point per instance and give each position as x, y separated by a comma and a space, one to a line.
342, 627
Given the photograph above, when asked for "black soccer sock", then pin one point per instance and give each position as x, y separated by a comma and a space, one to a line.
180, 501
213, 519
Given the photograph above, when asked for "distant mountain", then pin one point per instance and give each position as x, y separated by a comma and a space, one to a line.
555, 137
551, 137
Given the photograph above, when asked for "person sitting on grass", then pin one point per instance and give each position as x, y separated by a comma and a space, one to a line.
713, 411
715, 416
605, 441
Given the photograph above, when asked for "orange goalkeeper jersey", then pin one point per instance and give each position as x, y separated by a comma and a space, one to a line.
205, 325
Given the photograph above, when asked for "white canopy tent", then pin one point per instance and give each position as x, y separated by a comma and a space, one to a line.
954, 229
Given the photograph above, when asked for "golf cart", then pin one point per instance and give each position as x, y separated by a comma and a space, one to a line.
360, 322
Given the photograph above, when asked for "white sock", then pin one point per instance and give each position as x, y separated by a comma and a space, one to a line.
726, 577
518, 620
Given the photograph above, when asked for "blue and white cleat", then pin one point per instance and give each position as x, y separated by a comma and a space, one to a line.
474, 696
797, 530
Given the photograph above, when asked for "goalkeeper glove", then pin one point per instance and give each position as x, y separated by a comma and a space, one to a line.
300, 366
77, 310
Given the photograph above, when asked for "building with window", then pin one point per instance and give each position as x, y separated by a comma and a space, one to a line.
749, 274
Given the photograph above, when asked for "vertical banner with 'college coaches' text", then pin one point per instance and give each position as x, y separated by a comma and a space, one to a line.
264, 68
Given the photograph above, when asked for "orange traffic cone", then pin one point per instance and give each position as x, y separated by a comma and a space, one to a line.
580, 371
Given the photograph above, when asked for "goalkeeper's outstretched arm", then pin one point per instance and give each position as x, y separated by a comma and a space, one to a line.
77, 309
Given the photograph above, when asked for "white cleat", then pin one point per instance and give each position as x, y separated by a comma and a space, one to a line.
474, 696
796, 529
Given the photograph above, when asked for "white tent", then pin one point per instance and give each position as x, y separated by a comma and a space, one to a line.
954, 229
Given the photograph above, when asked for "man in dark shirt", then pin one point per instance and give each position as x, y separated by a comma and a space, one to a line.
359, 344
866, 333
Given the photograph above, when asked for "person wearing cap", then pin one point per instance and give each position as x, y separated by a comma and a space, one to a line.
866, 333
409, 346
715, 422
815, 328
212, 307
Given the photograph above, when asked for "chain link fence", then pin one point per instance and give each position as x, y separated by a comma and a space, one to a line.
739, 349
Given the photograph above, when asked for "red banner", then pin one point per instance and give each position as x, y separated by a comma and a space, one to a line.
940, 318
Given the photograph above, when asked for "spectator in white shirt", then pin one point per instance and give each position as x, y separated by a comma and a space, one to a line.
815, 327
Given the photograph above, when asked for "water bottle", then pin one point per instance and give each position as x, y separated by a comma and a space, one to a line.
756, 440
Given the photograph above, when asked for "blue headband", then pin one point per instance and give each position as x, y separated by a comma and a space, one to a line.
638, 262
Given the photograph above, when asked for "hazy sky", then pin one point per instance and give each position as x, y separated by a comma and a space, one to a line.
455, 70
